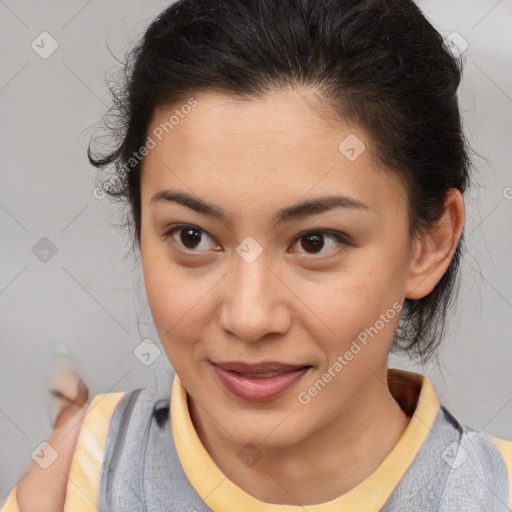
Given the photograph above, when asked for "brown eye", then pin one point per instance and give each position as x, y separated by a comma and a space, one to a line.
189, 238
315, 241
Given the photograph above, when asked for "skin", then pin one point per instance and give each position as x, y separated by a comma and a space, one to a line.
292, 304
44, 489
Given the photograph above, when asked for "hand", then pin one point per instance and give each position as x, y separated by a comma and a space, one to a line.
44, 490
72, 393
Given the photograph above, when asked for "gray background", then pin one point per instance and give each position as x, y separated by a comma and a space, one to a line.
90, 299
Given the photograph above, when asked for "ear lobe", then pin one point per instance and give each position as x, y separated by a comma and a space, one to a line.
434, 252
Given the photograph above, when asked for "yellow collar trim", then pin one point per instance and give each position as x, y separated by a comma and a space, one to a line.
220, 493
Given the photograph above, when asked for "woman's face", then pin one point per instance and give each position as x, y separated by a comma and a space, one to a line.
262, 279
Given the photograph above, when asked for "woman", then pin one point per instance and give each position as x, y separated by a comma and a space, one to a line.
295, 173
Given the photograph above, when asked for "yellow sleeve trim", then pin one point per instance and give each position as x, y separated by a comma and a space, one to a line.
220, 493
11, 505
87, 463
505, 448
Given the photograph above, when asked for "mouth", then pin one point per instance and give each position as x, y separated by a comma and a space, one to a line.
260, 381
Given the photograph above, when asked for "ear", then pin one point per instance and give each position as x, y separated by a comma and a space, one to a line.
433, 253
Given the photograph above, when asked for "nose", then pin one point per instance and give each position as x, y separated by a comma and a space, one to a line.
255, 301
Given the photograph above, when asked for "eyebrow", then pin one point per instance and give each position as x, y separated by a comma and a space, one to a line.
296, 211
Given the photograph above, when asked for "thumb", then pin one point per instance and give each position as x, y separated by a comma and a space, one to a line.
71, 392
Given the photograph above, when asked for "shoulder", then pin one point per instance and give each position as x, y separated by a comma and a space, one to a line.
119, 415
496, 449
505, 449
500, 463
491, 458
73, 453
96, 423
87, 462
109, 423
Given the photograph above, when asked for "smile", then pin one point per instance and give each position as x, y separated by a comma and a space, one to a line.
256, 383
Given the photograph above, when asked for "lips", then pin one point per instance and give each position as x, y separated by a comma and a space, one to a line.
258, 382
258, 368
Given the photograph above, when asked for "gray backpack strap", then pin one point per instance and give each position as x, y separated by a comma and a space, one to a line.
478, 480
453, 471
422, 484
166, 486
117, 444
141, 470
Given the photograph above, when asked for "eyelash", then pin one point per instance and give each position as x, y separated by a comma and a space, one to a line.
340, 238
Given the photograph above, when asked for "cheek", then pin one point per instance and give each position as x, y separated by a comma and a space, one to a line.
171, 308
161, 289
177, 297
348, 309
350, 297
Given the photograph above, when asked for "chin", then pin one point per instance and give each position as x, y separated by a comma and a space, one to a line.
268, 435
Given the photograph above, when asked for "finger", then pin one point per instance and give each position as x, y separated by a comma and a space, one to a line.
71, 392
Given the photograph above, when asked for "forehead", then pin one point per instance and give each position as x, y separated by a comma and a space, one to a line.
275, 149
283, 120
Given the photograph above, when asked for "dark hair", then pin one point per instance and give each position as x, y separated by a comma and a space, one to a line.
377, 63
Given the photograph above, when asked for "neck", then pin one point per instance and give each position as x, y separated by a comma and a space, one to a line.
326, 464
